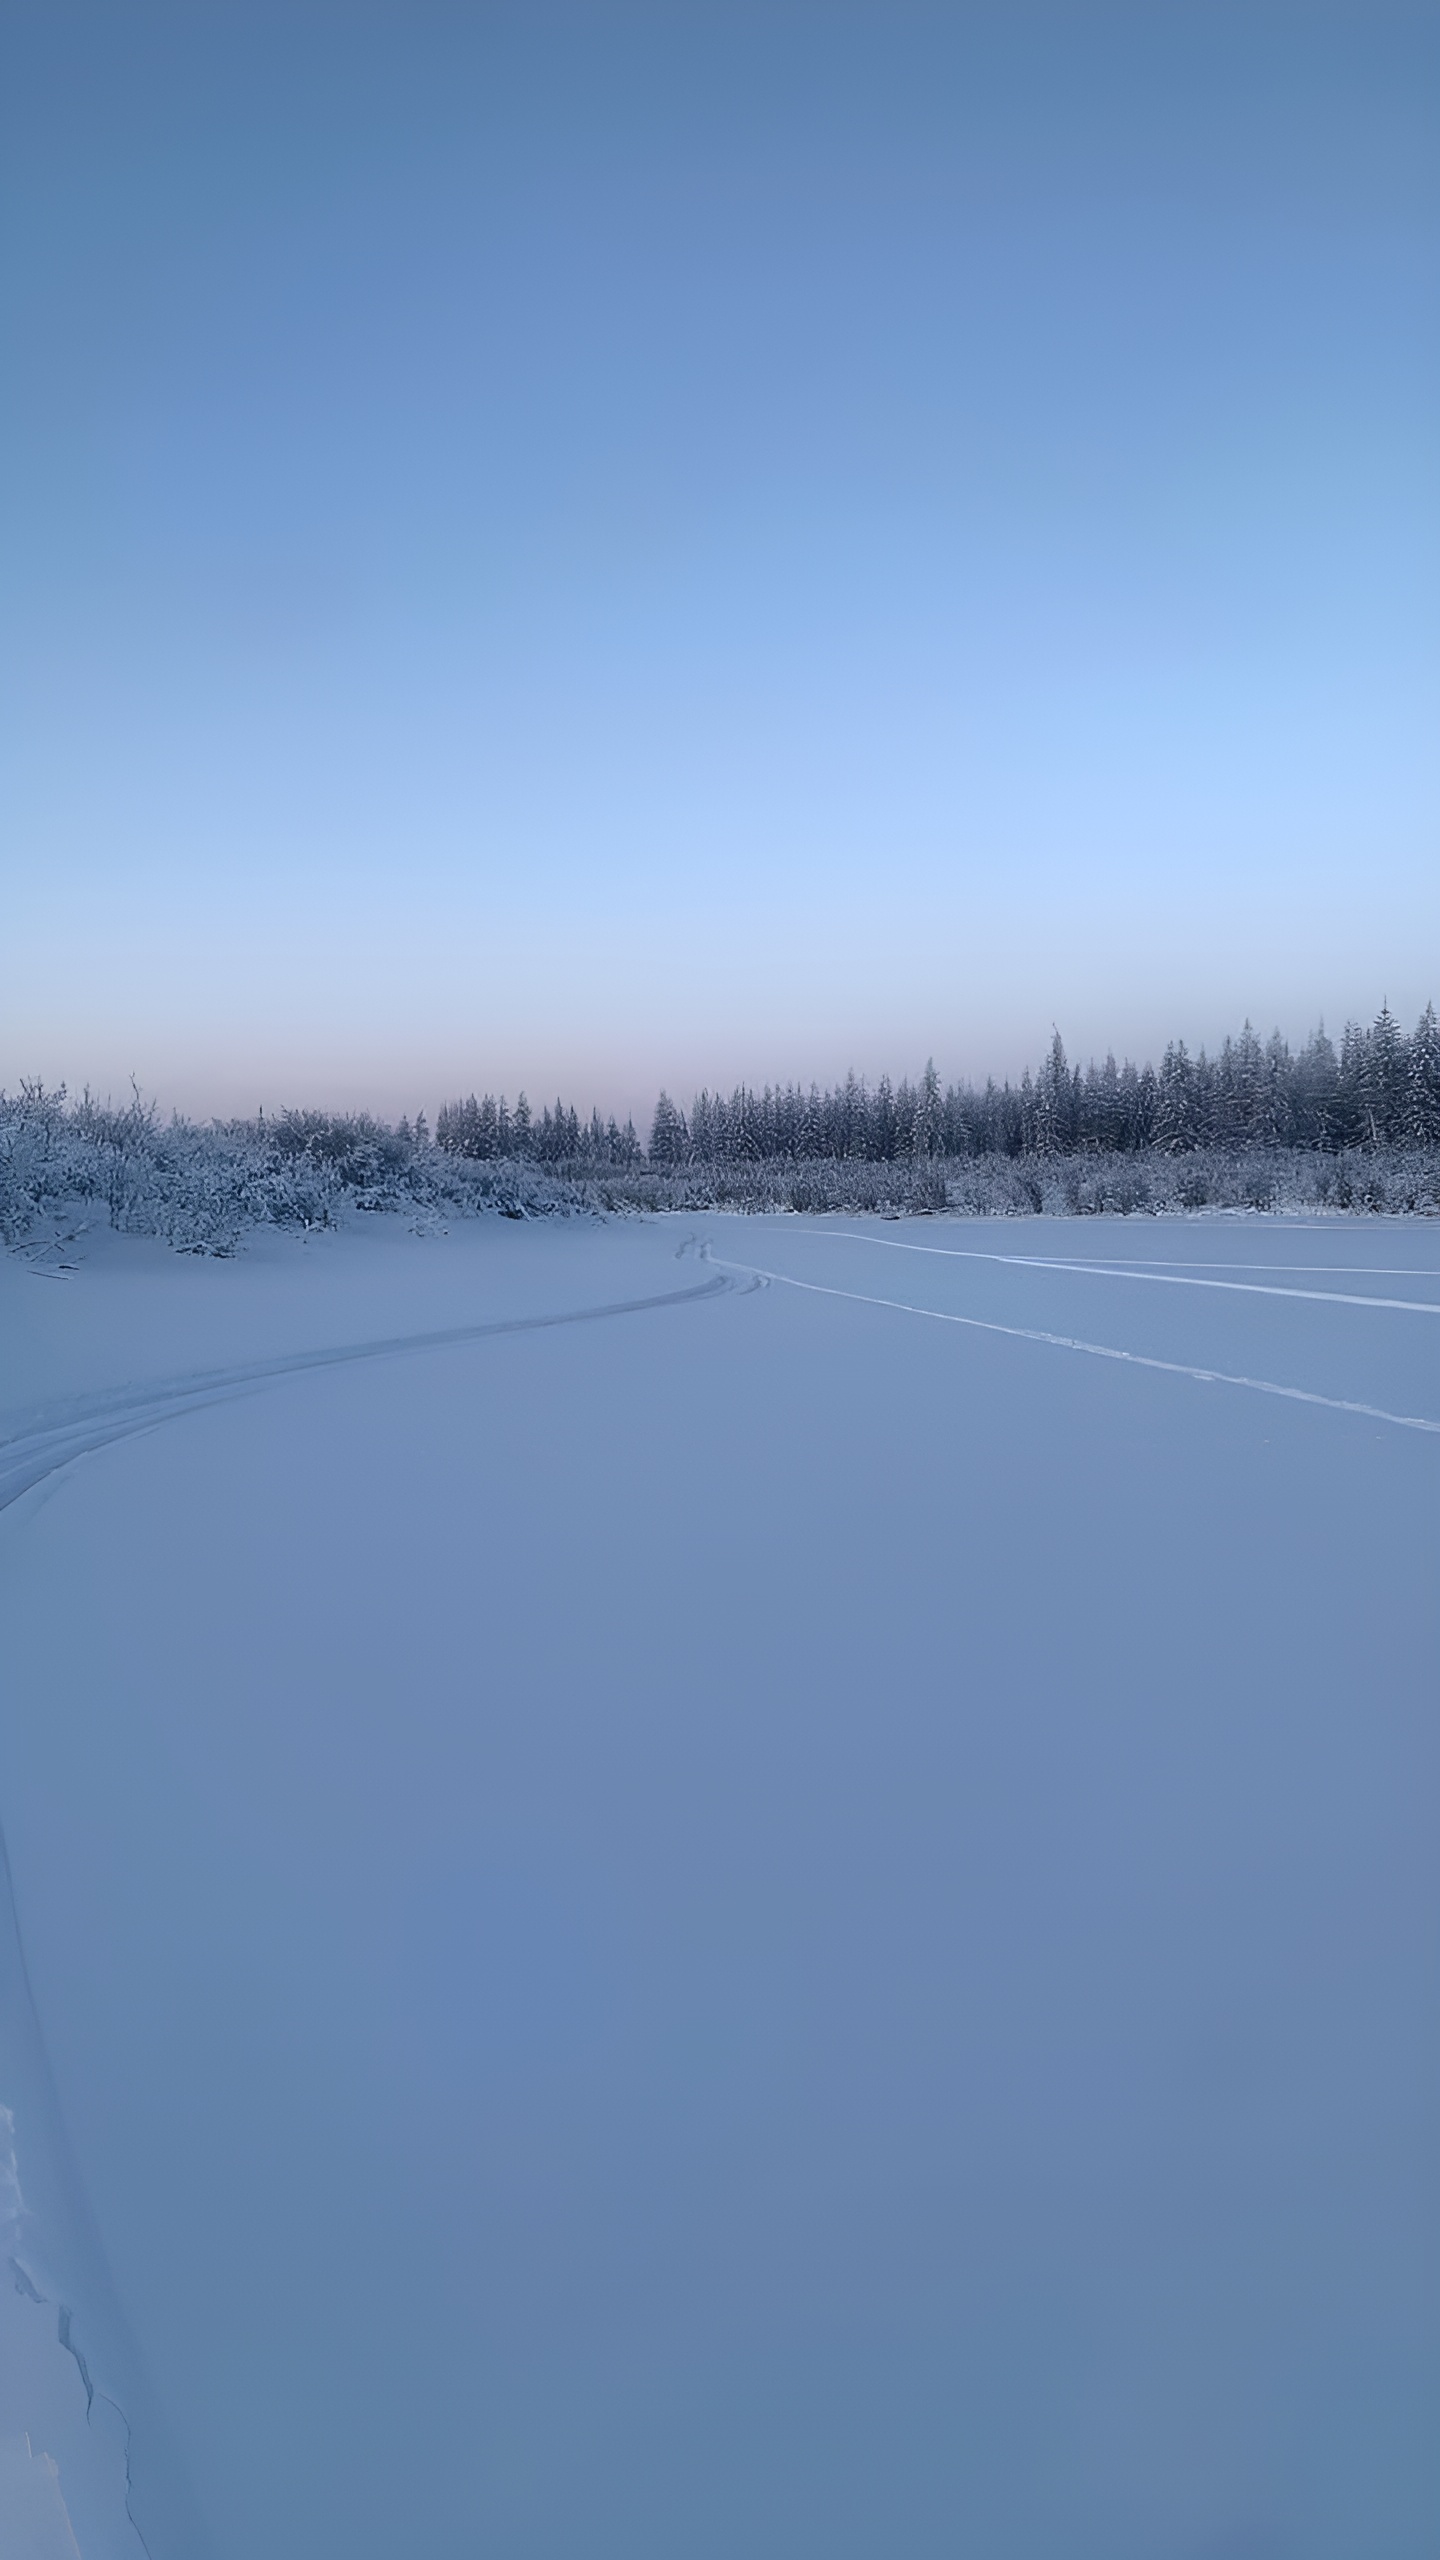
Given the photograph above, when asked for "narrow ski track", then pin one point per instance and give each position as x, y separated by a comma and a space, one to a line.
1174, 1276
1205, 1377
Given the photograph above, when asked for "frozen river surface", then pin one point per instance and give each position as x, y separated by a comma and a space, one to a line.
795, 1919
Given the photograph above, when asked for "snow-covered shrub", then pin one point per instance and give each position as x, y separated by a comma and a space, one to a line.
35, 1159
1148, 1183
201, 1189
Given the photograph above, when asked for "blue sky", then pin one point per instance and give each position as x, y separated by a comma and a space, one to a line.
600, 547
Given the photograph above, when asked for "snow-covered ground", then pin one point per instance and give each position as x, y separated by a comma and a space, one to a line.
796, 1918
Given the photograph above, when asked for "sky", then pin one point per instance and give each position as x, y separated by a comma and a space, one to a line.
601, 547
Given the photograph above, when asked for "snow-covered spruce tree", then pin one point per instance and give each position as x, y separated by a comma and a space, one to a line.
1272, 1109
927, 1128
1054, 1103
1239, 1091
1383, 1080
1177, 1113
1348, 1114
1314, 1082
669, 1138
1423, 1099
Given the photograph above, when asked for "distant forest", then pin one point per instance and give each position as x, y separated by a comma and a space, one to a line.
1257, 1127
1379, 1089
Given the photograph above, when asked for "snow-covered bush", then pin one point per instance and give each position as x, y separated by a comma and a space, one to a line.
35, 1160
1278, 1179
202, 1188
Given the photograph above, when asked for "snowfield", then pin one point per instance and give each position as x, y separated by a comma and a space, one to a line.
715, 1886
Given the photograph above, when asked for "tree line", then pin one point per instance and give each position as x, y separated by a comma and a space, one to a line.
1257, 1127
1379, 1089
490, 1130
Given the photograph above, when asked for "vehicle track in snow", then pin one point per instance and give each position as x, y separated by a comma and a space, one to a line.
27, 1460
1072, 1342
1175, 1277
29, 1457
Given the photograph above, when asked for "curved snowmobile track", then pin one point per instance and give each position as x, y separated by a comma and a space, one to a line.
30, 1457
